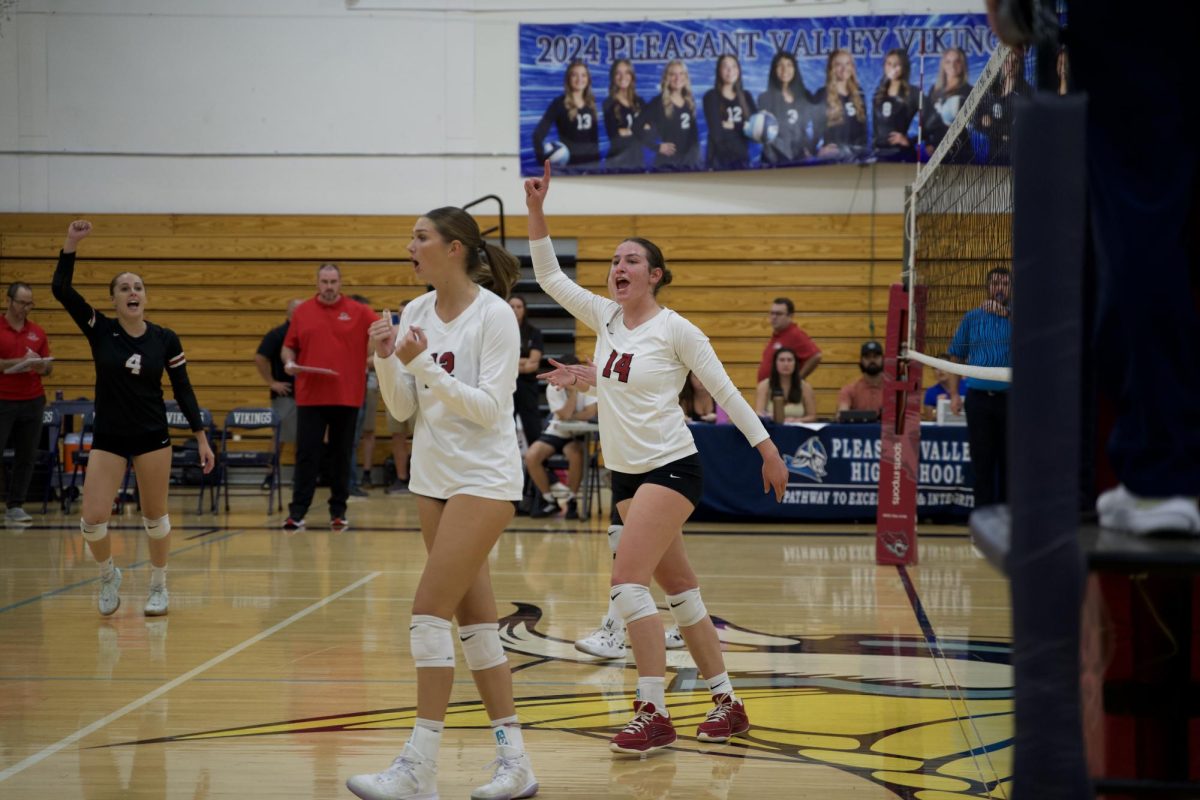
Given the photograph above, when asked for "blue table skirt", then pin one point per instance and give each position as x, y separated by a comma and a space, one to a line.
834, 473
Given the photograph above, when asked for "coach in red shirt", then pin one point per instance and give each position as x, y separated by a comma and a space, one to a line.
786, 333
327, 332
22, 397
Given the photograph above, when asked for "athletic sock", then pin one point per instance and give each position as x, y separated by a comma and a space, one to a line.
106, 568
426, 737
720, 684
158, 576
506, 732
653, 690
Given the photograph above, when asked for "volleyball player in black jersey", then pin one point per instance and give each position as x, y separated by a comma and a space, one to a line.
573, 113
893, 107
130, 355
994, 114
620, 111
842, 113
787, 98
727, 106
667, 124
948, 95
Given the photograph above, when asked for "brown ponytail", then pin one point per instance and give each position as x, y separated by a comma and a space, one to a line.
489, 266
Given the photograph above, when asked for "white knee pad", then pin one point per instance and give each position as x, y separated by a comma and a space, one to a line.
687, 608
481, 645
430, 641
632, 601
93, 533
614, 537
157, 528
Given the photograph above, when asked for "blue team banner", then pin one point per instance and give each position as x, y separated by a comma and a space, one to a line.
751, 93
833, 473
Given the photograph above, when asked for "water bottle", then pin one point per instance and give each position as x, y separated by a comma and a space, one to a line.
777, 406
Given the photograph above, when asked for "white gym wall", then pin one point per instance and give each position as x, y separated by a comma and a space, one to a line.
336, 107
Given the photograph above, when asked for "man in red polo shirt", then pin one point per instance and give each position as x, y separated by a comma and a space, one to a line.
786, 333
22, 397
327, 332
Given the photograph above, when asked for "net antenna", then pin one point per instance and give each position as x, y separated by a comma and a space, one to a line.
958, 218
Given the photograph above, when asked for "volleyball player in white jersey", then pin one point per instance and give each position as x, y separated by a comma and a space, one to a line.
454, 360
643, 355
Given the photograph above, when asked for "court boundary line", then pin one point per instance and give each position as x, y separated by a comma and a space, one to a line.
150, 697
134, 565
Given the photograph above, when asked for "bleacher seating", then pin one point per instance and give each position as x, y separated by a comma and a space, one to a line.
222, 281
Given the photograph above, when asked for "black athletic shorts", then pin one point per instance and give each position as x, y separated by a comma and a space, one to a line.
684, 476
130, 446
557, 442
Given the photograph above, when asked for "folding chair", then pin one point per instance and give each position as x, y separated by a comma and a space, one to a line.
48, 458
183, 458
255, 420
67, 410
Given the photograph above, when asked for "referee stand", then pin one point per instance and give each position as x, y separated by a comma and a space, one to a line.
1106, 669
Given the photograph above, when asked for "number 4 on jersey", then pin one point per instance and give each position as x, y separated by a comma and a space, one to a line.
134, 363
621, 367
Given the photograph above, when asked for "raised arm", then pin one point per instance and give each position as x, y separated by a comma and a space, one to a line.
60, 286
585, 306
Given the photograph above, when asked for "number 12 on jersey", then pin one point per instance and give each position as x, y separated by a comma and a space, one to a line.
621, 367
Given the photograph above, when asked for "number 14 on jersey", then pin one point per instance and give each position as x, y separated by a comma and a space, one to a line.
621, 366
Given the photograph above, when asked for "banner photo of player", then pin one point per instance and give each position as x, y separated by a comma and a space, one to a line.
729, 94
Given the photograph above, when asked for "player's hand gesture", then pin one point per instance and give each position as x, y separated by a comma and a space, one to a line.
383, 335
571, 376
412, 344
79, 229
536, 189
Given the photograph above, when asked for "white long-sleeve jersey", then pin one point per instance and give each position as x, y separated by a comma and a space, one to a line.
640, 372
461, 388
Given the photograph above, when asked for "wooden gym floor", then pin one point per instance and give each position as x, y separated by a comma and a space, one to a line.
283, 666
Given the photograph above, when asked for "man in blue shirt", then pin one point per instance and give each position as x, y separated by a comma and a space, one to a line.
982, 340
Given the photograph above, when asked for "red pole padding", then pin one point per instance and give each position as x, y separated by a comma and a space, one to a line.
900, 434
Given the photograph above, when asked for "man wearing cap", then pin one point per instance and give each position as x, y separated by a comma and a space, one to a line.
22, 397
982, 340
786, 333
866, 393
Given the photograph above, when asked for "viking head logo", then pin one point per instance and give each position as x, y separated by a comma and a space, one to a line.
809, 460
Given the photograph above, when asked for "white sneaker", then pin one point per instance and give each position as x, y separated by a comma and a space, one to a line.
1121, 509
157, 602
110, 599
410, 777
675, 638
512, 779
607, 641
17, 514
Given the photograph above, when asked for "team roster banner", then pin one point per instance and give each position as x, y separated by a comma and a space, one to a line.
746, 94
